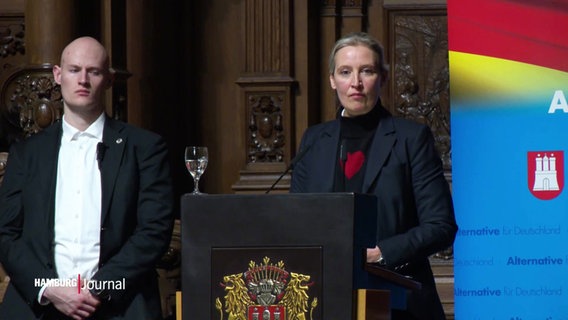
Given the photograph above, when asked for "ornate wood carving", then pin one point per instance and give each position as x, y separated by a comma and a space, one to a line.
266, 131
12, 44
421, 77
11, 37
419, 90
31, 100
267, 112
421, 74
352, 3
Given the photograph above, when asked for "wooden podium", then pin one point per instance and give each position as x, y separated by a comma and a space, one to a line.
284, 256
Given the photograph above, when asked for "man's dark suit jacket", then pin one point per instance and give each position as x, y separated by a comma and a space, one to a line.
415, 210
136, 221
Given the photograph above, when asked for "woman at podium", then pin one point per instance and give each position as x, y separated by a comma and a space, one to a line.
367, 150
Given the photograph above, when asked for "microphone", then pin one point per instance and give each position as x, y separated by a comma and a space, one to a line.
101, 149
342, 152
343, 159
295, 160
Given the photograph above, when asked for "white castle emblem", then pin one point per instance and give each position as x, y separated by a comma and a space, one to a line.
545, 175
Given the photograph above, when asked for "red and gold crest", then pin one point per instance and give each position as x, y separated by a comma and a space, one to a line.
266, 291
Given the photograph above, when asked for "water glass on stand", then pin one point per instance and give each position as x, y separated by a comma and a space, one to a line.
196, 159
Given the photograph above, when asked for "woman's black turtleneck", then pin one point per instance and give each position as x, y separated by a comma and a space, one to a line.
355, 139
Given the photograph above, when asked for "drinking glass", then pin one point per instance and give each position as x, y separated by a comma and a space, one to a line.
196, 159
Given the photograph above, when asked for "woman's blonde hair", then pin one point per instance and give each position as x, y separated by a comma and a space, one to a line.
361, 39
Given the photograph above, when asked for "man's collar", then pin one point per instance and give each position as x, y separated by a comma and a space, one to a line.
95, 130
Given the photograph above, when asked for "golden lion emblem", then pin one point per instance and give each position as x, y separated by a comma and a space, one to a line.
266, 291
236, 299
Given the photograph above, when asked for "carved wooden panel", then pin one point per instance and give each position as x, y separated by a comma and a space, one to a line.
31, 100
419, 90
266, 132
419, 62
11, 36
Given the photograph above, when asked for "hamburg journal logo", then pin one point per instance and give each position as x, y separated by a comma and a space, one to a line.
545, 173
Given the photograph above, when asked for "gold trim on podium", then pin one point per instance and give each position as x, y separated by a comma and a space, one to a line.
373, 304
178, 305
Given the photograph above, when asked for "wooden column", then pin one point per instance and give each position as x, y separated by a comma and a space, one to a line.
353, 16
329, 30
266, 94
113, 37
50, 26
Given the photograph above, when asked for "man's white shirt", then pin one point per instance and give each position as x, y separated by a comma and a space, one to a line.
77, 220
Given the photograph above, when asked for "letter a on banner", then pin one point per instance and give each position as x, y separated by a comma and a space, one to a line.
558, 102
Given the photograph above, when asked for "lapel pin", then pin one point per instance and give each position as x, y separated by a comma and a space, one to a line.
119, 140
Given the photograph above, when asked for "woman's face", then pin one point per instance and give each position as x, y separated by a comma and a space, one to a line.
356, 79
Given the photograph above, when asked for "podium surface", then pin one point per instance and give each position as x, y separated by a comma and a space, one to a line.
275, 256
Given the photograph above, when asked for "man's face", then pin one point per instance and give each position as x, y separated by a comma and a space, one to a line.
83, 76
356, 79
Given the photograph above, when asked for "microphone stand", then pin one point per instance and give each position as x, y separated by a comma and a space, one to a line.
278, 180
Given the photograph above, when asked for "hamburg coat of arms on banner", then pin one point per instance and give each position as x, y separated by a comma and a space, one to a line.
545, 173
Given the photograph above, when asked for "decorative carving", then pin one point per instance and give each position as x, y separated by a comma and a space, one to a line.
352, 3
266, 132
12, 39
421, 75
31, 100
421, 80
